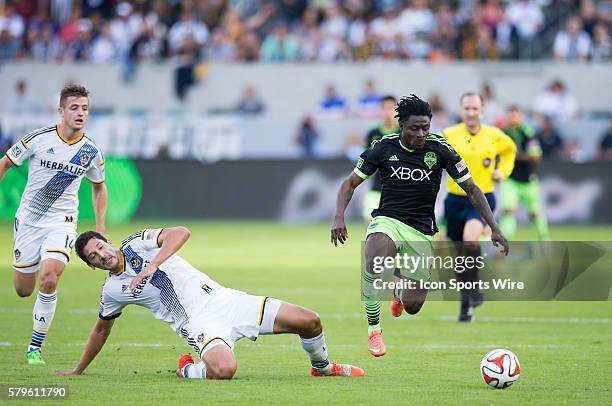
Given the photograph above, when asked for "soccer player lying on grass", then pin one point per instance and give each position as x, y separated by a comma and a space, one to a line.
145, 271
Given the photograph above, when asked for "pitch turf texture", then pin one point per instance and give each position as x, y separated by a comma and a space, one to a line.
565, 348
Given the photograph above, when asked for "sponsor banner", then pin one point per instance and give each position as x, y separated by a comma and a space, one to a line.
305, 190
294, 190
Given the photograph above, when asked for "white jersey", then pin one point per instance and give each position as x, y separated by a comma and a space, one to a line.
55, 171
176, 293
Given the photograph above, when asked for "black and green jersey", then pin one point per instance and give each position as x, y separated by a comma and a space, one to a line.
376, 134
526, 142
411, 178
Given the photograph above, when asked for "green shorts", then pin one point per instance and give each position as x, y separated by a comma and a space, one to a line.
370, 202
527, 193
408, 241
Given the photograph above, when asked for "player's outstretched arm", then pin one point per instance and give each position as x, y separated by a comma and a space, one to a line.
5, 165
99, 197
95, 342
345, 194
170, 241
478, 200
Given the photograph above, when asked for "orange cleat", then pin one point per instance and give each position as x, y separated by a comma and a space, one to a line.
377, 346
396, 307
340, 370
184, 361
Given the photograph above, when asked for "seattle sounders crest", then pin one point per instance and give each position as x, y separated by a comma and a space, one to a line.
430, 159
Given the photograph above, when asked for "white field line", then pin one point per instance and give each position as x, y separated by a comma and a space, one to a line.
357, 315
296, 346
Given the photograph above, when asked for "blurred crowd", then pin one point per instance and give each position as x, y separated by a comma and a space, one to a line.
111, 31
552, 108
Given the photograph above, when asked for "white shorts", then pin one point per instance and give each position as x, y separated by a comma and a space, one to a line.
230, 316
35, 244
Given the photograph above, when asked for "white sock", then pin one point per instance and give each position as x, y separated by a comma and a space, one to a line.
195, 371
42, 316
317, 351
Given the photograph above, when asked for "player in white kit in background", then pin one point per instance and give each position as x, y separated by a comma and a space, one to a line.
45, 223
145, 271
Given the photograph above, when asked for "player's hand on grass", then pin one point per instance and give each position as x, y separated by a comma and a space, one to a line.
145, 273
338, 232
497, 176
499, 240
67, 373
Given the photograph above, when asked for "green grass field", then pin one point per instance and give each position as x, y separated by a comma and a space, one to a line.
565, 348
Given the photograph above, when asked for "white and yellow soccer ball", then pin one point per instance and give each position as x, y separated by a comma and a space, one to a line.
500, 368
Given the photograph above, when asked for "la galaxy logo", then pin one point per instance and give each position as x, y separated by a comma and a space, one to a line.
135, 262
17, 254
430, 159
201, 338
16, 151
84, 158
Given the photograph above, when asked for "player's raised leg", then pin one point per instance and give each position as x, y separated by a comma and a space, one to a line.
26, 258
412, 300
24, 282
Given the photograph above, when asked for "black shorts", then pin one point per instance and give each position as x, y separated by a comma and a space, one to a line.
458, 210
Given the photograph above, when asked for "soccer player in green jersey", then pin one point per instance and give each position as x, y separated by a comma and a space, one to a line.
410, 165
522, 185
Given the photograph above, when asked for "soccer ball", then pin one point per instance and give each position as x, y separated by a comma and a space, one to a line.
500, 368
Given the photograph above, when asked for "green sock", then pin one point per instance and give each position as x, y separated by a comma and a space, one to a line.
373, 314
541, 227
507, 223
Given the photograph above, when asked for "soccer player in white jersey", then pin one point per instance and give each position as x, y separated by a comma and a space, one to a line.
145, 271
45, 223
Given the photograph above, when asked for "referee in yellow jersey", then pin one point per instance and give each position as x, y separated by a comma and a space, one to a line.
489, 155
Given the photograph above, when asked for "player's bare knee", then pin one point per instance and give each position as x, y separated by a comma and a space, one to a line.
371, 261
469, 247
378, 247
312, 324
413, 307
48, 282
24, 292
221, 370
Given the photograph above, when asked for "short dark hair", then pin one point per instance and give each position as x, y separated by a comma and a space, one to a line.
412, 106
469, 94
82, 241
388, 97
514, 108
73, 90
